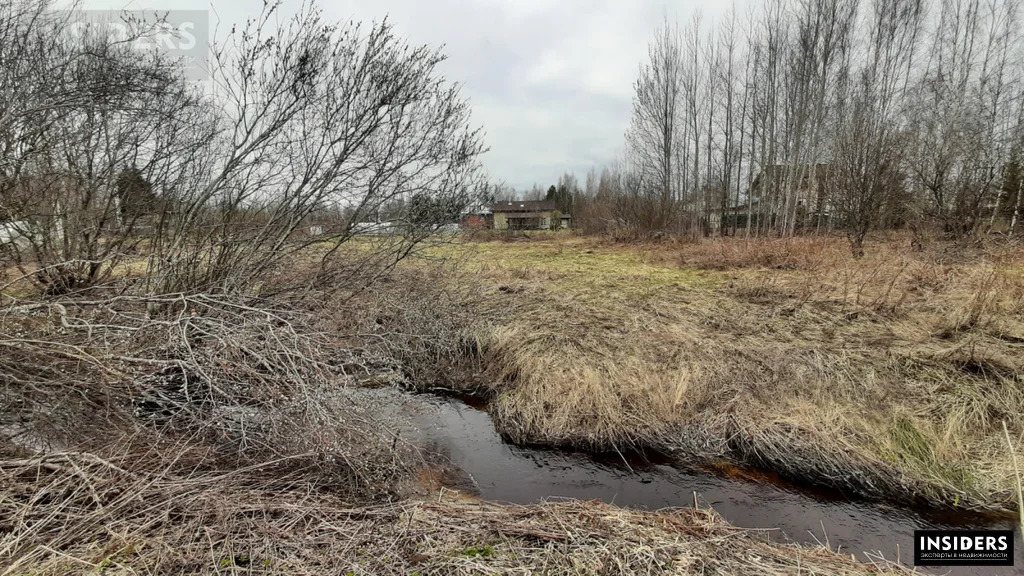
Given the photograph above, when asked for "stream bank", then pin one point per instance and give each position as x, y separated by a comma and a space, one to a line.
488, 467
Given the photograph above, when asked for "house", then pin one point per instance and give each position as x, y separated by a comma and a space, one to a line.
528, 215
739, 215
808, 183
477, 221
782, 189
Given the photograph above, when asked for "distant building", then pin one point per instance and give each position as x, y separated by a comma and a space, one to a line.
374, 228
808, 183
482, 221
528, 215
782, 189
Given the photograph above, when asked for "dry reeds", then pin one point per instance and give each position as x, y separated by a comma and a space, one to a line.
1016, 473
75, 513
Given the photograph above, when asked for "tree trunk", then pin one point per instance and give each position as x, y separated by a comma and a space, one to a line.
1016, 208
857, 244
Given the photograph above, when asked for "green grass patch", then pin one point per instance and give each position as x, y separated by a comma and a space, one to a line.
485, 551
577, 266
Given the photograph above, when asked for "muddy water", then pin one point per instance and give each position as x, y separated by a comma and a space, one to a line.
497, 471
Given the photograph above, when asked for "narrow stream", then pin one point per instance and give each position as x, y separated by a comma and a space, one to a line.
498, 471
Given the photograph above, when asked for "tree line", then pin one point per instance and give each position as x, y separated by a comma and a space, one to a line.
820, 116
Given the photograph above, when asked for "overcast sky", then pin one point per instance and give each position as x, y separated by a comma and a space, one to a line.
550, 81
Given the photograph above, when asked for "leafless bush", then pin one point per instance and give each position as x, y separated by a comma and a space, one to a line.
234, 382
82, 114
112, 157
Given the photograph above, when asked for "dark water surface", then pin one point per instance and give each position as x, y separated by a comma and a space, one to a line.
502, 472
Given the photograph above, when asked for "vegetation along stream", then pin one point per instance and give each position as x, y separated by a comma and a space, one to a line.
495, 470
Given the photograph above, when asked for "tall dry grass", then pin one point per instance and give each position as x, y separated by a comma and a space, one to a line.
886, 375
79, 514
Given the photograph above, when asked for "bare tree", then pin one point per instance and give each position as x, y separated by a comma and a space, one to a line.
867, 151
320, 113
78, 112
304, 116
960, 114
696, 106
652, 136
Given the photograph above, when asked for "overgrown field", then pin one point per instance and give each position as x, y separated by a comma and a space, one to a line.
199, 433
890, 376
230, 434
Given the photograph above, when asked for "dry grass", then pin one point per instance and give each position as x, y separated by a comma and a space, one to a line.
75, 513
182, 434
887, 375
211, 433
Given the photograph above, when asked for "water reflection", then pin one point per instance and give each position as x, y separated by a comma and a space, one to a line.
501, 472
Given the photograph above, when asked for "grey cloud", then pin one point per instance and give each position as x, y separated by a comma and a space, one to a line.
550, 81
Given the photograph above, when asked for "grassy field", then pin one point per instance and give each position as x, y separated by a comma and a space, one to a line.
889, 376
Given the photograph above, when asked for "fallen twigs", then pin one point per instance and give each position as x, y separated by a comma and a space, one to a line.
76, 513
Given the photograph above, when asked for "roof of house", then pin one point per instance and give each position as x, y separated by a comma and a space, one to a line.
524, 206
